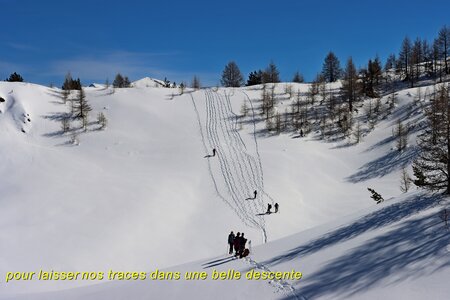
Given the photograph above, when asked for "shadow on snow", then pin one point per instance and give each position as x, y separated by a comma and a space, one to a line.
384, 165
417, 247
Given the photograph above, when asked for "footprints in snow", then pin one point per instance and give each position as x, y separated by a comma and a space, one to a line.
280, 286
26, 120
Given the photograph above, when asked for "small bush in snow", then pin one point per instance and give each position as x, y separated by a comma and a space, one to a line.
101, 120
74, 139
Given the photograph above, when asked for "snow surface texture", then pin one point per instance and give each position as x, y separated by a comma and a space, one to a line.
140, 195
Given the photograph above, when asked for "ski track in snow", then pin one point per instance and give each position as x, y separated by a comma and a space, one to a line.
240, 171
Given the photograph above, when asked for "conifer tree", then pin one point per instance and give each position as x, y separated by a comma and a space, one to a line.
298, 77
195, 82
118, 81
101, 120
271, 74
404, 57
444, 46
432, 166
331, 69
401, 135
349, 84
244, 109
126, 82
232, 76
70, 83
82, 108
254, 78
14, 77
390, 63
405, 181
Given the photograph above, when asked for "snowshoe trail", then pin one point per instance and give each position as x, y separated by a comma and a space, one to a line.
238, 168
280, 286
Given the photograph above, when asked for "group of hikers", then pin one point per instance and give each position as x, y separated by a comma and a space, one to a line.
255, 192
237, 242
269, 208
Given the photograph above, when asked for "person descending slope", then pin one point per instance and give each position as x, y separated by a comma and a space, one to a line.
231, 238
209, 155
276, 207
269, 207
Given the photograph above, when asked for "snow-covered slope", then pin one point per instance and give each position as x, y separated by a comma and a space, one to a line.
397, 250
147, 82
140, 195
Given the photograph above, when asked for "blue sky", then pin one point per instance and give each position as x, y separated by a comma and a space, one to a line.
43, 40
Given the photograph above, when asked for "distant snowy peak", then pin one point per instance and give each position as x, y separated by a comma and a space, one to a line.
147, 82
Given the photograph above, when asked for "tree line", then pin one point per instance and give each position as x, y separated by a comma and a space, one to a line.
414, 59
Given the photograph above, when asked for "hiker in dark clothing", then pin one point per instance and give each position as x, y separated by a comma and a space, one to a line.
242, 245
254, 195
209, 155
231, 238
276, 207
237, 243
269, 207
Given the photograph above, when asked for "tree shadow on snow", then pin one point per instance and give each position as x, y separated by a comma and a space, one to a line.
384, 165
415, 248
380, 218
56, 116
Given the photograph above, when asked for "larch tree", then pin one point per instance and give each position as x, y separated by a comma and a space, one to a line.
232, 76
298, 77
404, 57
390, 63
271, 74
82, 108
331, 69
195, 82
432, 166
444, 46
405, 181
349, 84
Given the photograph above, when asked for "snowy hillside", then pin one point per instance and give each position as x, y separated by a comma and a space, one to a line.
141, 195
147, 82
399, 250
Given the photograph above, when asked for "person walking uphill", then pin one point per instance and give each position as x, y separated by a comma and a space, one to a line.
237, 243
231, 238
209, 155
255, 192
